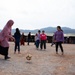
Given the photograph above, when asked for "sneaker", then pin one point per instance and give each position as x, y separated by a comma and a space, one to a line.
7, 58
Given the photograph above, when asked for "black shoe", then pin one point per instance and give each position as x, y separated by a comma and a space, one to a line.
7, 58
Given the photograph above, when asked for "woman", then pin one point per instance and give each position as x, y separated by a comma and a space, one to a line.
5, 35
29, 37
17, 36
59, 39
43, 38
36, 41
22, 39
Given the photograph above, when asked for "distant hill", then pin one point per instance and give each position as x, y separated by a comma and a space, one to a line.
66, 30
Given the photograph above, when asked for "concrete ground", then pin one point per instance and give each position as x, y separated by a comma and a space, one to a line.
45, 62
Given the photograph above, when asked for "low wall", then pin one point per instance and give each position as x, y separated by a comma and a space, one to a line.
69, 40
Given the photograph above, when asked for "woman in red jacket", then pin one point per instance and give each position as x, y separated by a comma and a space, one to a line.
43, 38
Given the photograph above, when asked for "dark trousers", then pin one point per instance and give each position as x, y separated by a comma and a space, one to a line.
29, 41
17, 45
43, 43
4, 51
60, 45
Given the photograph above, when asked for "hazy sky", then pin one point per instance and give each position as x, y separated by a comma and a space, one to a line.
36, 14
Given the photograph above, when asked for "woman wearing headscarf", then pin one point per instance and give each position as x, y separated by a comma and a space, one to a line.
5, 35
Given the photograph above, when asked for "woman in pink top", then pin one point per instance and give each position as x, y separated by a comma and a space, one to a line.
5, 35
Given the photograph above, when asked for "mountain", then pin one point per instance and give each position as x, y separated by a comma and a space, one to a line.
49, 30
66, 30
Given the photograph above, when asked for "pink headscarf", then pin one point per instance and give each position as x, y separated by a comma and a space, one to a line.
6, 34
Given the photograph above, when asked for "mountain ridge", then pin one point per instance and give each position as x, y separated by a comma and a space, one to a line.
66, 30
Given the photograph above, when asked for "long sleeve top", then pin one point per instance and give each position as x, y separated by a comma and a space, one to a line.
58, 36
5, 34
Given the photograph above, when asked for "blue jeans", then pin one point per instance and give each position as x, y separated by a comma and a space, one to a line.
37, 42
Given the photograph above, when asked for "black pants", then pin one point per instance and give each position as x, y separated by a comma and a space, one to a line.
43, 43
4, 51
29, 41
60, 45
17, 45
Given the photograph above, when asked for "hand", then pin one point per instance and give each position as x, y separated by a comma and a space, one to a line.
13, 39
